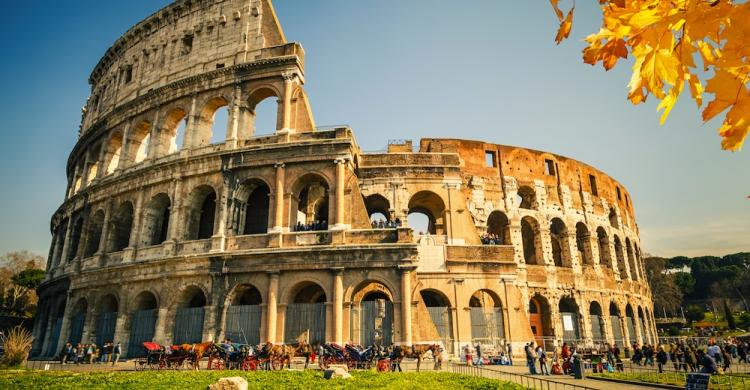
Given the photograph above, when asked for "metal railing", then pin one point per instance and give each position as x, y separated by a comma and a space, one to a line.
669, 375
528, 381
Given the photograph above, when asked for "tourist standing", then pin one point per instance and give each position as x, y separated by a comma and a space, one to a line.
479, 354
509, 349
530, 361
542, 356
661, 359
467, 354
116, 352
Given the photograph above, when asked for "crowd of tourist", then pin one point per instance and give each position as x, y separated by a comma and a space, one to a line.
491, 239
90, 353
688, 357
311, 226
383, 224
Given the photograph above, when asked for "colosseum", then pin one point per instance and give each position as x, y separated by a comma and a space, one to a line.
175, 230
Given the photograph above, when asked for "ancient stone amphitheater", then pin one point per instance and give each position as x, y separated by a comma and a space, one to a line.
176, 230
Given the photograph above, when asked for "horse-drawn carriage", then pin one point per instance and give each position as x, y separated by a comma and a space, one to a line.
157, 357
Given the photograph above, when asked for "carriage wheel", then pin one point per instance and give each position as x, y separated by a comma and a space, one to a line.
277, 364
384, 365
216, 364
249, 365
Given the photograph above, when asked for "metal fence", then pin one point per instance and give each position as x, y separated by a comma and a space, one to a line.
527, 381
376, 322
243, 324
441, 317
669, 374
305, 320
105, 327
487, 325
188, 325
76, 328
53, 337
142, 326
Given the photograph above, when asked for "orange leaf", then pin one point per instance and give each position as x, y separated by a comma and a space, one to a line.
564, 30
557, 10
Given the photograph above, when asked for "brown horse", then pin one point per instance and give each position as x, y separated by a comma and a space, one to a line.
195, 352
300, 349
418, 351
277, 355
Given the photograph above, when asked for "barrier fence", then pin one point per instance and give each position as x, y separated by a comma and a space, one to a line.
528, 381
649, 374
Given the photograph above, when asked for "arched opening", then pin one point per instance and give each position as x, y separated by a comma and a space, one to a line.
631, 260
372, 316
188, 323
139, 142
583, 244
93, 165
616, 324
107, 319
559, 241
265, 115
569, 318
211, 124
642, 326
251, 207
172, 133
605, 257
62, 228
630, 323
486, 314
122, 225
426, 212
142, 322
75, 237
56, 320
620, 258
597, 324
112, 156
526, 198
244, 315
94, 234
201, 213
498, 229
156, 220
540, 320
306, 315
311, 212
530, 237
439, 308
77, 320
613, 218
379, 210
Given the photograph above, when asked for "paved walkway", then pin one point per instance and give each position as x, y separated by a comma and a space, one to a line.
592, 383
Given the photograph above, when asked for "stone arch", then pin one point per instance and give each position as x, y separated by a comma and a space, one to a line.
257, 98
92, 169
532, 242
141, 321
60, 241
540, 319
369, 288
139, 142
94, 233
486, 314
642, 325
570, 319
438, 306
434, 298
498, 226
616, 324
113, 151
201, 213
75, 237
251, 207
605, 257
583, 244
305, 318
526, 198
204, 128
106, 319
598, 332
243, 314
372, 314
378, 204
169, 132
559, 243
190, 315
121, 227
156, 220
630, 323
145, 300
620, 258
432, 206
631, 260
77, 321
310, 203
613, 218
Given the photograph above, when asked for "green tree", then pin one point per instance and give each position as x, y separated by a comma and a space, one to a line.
694, 313
685, 282
729, 316
30, 278
666, 293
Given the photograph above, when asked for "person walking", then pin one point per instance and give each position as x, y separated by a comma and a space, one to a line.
116, 352
105, 353
661, 359
509, 350
530, 358
467, 354
542, 356
67, 349
708, 364
726, 359
478, 348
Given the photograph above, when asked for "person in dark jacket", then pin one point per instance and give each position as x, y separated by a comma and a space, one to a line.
661, 359
708, 364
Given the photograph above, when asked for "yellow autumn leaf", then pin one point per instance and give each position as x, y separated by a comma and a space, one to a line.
565, 26
696, 89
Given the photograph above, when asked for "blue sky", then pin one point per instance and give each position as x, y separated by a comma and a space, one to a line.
395, 69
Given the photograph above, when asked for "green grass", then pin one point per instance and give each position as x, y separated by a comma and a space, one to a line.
671, 378
183, 380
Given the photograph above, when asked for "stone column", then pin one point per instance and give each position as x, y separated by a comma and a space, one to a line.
175, 213
155, 137
278, 199
125, 148
218, 240
234, 116
273, 292
340, 222
121, 334
85, 171
160, 328
65, 328
406, 305
190, 128
103, 159
66, 243
286, 117
210, 322
105, 228
338, 305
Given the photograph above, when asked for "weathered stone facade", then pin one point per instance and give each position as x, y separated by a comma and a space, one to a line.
201, 240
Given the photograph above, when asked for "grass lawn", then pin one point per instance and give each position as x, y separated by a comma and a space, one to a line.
671, 378
183, 380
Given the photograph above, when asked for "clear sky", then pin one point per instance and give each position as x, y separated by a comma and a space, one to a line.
395, 69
